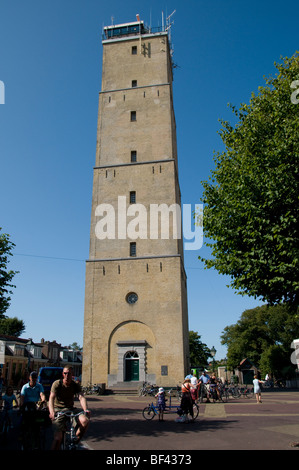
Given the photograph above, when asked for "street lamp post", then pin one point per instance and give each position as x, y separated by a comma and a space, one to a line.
29, 347
226, 369
213, 353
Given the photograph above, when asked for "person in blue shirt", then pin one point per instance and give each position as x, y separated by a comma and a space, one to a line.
204, 381
32, 392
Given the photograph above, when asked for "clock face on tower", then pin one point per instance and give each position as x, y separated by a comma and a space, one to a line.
132, 298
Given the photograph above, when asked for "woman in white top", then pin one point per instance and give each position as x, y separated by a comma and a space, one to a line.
257, 389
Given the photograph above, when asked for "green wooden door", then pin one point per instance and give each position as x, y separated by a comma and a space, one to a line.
131, 367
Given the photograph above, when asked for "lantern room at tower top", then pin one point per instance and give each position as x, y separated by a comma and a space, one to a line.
135, 28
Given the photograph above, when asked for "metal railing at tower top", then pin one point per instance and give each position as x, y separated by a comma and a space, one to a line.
112, 32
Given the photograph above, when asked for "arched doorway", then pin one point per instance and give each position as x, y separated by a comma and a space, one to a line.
131, 366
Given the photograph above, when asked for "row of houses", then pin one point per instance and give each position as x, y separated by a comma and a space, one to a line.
19, 356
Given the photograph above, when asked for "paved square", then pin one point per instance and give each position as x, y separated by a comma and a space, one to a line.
242, 424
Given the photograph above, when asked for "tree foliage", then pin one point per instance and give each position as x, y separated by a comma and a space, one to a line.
11, 326
251, 199
8, 326
6, 276
199, 352
263, 335
75, 346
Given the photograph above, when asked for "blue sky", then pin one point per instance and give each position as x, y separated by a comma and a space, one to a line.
50, 64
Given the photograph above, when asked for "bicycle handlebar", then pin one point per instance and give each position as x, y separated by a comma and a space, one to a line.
70, 413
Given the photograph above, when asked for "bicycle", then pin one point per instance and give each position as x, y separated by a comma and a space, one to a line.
246, 392
94, 389
148, 389
69, 440
218, 392
33, 427
87, 389
233, 391
178, 391
150, 411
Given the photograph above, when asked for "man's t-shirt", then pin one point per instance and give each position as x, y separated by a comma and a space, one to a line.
64, 396
204, 378
32, 394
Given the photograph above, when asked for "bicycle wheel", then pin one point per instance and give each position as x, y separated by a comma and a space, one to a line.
148, 413
224, 396
195, 410
67, 441
236, 393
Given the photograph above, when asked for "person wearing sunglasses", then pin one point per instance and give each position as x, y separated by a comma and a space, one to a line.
62, 396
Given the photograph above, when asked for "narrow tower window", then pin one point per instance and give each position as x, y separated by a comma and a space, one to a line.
132, 197
133, 116
133, 155
133, 249
134, 50
134, 83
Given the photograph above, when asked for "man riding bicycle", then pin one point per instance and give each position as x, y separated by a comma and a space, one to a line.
32, 394
63, 392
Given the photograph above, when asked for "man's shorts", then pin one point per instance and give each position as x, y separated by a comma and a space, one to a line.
60, 422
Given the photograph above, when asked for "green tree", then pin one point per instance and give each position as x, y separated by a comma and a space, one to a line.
264, 335
75, 346
6, 276
199, 352
8, 326
11, 326
250, 214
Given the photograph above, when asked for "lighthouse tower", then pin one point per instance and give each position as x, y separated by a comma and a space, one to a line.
136, 320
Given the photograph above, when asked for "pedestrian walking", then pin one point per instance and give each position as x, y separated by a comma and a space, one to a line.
257, 389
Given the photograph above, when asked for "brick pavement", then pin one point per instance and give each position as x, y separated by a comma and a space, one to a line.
242, 424
118, 425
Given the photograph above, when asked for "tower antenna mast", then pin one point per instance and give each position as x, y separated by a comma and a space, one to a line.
169, 23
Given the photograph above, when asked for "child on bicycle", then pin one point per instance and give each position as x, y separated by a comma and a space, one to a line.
161, 404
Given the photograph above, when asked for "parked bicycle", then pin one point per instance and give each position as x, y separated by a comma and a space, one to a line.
94, 389
268, 384
69, 440
220, 393
246, 392
176, 392
233, 391
148, 389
